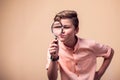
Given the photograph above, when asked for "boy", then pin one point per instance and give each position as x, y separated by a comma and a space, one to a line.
75, 57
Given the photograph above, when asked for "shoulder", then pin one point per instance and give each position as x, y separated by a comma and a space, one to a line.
91, 43
85, 41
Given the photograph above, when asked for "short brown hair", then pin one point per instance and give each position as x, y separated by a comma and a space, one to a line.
71, 14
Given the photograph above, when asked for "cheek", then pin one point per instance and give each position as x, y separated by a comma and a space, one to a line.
69, 32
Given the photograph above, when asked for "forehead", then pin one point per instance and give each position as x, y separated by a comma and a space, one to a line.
56, 23
66, 21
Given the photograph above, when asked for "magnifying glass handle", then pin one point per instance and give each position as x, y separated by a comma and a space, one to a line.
56, 41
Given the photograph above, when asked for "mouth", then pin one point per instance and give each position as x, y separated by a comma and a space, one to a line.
62, 36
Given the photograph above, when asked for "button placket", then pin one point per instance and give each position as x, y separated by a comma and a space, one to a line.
76, 63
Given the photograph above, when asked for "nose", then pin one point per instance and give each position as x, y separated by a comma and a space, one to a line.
62, 30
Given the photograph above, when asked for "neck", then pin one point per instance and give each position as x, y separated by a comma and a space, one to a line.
71, 43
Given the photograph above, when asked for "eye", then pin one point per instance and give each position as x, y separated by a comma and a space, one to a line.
66, 27
57, 26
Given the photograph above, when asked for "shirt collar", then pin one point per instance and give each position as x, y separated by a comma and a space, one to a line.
76, 47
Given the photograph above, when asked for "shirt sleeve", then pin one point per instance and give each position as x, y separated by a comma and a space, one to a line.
102, 50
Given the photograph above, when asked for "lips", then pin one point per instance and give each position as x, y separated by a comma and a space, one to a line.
62, 36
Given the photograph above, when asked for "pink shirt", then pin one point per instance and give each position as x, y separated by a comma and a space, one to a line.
80, 63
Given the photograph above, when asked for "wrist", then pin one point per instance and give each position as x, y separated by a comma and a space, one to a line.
54, 58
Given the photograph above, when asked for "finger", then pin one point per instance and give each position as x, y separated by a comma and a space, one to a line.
55, 41
52, 52
50, 49
54, 45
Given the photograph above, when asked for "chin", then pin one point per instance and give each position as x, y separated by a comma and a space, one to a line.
62, 40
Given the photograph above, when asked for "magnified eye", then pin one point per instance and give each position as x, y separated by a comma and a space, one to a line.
57, 26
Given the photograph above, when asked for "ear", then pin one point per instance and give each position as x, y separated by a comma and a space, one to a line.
76, 30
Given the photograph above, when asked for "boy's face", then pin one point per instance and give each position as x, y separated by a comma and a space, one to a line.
68, 32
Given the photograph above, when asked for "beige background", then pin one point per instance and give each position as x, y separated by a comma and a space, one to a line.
25, 34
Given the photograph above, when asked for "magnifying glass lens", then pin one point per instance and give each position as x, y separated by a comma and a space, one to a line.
56, 28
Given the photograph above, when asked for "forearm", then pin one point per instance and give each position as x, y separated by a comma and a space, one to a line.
105, 65
52, 71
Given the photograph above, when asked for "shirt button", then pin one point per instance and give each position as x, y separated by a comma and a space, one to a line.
76, 64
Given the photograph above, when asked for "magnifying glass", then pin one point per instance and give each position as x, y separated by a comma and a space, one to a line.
56, 28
